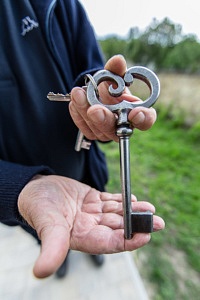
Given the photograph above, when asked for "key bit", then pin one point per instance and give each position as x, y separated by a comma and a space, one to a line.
142, 222
82, 142
62, 97
58, 97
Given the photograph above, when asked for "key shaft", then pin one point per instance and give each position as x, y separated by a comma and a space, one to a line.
133, 221
126, 184
124, 132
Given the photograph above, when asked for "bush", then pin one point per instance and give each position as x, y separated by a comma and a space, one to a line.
194, 132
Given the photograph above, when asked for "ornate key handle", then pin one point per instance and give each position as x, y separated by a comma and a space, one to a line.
141, 73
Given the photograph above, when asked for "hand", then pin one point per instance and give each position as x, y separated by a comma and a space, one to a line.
67, 214
97, 122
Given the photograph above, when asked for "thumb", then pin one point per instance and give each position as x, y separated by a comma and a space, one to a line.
117, 65
54, 248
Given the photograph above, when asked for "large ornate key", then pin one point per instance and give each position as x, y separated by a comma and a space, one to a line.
133, 221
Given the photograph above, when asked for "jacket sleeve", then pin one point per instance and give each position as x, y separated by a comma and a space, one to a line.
13, 177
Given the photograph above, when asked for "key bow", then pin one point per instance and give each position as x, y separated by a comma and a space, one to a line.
137, 72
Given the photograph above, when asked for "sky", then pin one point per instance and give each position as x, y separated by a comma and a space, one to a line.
118, 16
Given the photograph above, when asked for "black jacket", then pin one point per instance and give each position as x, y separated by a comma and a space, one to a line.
45, 45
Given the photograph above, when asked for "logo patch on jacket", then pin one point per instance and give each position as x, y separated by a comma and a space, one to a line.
27, 25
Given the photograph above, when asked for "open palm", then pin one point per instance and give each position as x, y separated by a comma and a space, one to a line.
70, 215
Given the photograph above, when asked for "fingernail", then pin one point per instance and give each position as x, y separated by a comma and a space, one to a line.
139, 118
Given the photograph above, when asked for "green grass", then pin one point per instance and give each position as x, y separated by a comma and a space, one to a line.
165, 170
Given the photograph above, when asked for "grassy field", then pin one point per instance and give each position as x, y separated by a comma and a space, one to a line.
165, 170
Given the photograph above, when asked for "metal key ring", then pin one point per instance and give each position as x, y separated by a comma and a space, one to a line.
141, 73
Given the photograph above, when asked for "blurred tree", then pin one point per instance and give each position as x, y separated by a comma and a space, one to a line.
113, 45
164, 33
184, 57
151, 46
161, 45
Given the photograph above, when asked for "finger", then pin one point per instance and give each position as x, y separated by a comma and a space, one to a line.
158, 223
78, 109
105, 196
55, 245
103, 123
138, 241
143, 206
112, 206
79, 100
95, 122
115, 221
117, 207
112, 220
142, 118
117, 243
117, 65
113, 203
141, 239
